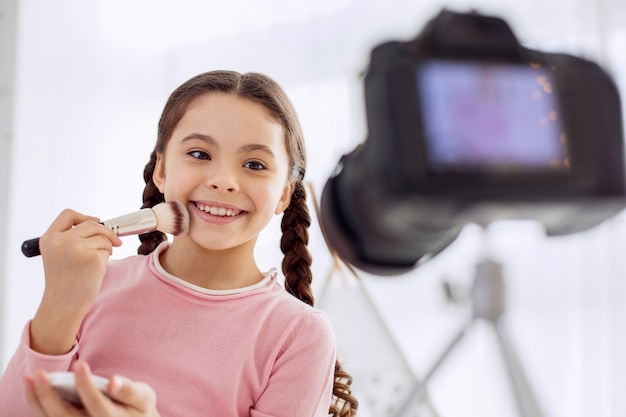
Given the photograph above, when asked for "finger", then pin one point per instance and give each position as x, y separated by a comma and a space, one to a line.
83, 225
69, 218
50, 403
99, 243
87, 235
94, 401
69, 223
70, 245
135, 395
32, 399
90, 229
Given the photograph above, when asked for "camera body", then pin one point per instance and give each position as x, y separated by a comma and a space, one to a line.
467, 125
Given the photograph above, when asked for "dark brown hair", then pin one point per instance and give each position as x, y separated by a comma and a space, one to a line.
296, 220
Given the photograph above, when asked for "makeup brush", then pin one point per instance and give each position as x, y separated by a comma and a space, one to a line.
171, 217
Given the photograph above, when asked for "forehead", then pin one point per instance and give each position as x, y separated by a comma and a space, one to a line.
232, 123
228, 112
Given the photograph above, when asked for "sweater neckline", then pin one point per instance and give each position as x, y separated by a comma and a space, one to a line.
267, 280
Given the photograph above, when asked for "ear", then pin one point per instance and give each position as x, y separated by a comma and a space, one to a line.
285, 199
158, 176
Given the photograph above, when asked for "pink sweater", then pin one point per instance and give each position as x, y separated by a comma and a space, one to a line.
259, 352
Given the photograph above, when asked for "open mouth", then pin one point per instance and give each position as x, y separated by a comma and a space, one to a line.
218, 211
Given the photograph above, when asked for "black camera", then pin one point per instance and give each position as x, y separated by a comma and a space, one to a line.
465, 125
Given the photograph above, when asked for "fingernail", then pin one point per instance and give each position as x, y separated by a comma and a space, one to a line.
40, 379
81, 366
117, 383
29, 382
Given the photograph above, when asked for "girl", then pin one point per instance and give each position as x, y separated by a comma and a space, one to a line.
195, 320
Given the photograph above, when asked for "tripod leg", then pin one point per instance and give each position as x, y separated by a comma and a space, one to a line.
419, 389
526, 401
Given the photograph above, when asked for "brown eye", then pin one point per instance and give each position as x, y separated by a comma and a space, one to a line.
200, 155
255, 165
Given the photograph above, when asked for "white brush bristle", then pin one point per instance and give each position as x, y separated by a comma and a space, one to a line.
172, 218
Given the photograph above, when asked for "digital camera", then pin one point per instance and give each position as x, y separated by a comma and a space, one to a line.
465, 125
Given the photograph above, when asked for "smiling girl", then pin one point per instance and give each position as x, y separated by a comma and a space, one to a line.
195, 320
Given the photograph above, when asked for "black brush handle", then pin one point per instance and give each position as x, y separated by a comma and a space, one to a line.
30, 247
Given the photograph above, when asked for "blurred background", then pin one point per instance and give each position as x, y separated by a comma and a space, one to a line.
82, 85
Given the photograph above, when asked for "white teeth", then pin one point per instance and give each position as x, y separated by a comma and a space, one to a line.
218, 211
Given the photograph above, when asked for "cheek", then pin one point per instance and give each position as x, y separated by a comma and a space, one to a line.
264, 200
177, 184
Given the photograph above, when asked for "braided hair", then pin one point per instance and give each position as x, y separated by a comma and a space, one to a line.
296, 265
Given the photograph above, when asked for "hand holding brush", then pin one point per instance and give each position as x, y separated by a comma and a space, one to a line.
76, 249
171, 217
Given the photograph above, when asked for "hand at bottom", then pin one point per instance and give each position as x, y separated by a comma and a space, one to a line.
132, 399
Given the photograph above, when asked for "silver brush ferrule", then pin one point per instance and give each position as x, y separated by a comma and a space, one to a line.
142, 221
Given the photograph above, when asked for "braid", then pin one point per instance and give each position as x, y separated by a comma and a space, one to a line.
297, 261
298, 277
344, 403
151, 197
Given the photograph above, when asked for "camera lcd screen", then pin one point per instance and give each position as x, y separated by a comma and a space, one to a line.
490, 117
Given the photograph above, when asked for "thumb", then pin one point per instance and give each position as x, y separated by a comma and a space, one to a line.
137, 395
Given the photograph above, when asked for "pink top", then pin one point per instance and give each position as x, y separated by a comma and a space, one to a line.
254, 352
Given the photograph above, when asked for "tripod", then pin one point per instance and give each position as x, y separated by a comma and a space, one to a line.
488, 304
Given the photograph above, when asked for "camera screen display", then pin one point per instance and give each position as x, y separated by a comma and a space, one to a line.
490, 117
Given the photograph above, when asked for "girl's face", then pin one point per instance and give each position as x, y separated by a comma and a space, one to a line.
227, 163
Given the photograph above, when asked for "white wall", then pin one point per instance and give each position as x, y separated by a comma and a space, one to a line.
8, 31
91, 80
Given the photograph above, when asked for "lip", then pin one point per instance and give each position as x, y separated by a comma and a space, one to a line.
217, 219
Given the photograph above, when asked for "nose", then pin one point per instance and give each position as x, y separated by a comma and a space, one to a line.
223, 179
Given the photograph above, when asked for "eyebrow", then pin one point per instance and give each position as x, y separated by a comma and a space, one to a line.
250, 147
205, 138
